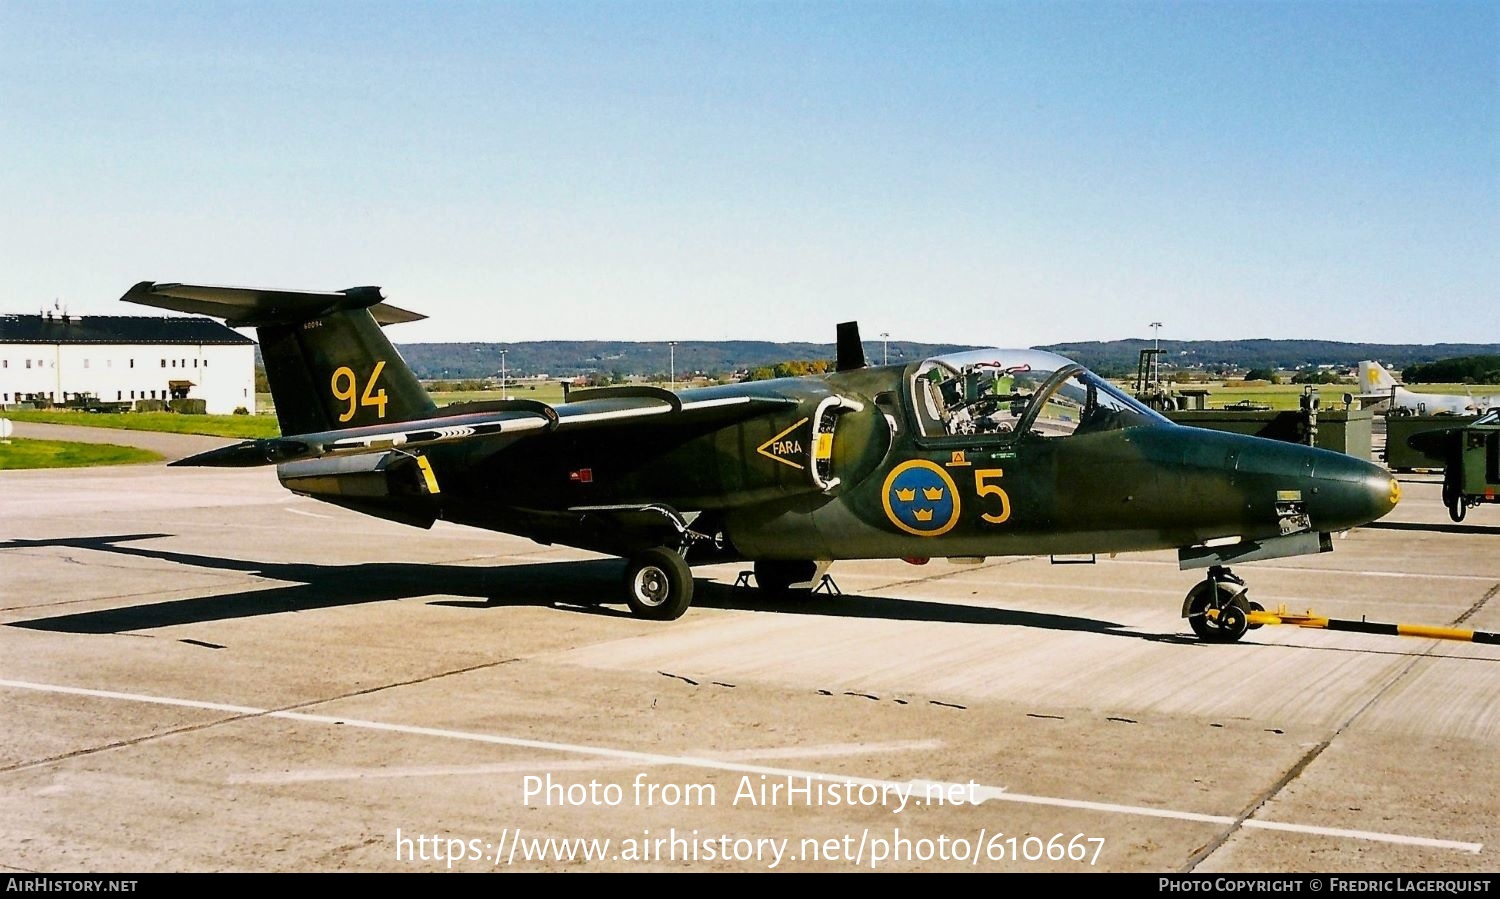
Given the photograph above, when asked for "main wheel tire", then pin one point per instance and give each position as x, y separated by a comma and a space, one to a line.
659, 585
1218, 595
776, 576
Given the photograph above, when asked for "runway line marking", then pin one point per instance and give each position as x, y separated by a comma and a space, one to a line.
629, 755
307, 513
317, 775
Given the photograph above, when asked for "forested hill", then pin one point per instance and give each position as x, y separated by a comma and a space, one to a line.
1121, 356
1116, 357
581, 357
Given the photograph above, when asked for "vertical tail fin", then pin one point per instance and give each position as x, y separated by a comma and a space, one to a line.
1373, 377
329, 364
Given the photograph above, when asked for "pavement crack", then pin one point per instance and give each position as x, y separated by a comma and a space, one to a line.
1312, 754
958, 570
1489, 595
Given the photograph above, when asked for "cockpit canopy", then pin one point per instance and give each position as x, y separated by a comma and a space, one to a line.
1005, 393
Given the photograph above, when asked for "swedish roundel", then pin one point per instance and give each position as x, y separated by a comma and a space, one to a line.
921, 499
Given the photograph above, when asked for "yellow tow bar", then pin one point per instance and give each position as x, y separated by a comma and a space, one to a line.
1308, 619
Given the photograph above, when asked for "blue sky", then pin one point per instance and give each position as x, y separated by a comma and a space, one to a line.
995, 172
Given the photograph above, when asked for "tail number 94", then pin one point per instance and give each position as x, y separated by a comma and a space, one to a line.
984, 486
345, 389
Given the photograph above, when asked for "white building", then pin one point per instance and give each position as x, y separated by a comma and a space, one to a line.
123, 358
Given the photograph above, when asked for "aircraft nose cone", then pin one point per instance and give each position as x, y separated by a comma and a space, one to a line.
1351, 492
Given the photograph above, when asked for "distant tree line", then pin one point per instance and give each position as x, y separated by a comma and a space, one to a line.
613, 360
1314, 375
794, 369
1462, 370
451, 386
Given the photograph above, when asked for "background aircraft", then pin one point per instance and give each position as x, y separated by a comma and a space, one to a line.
987, 452
1376, 384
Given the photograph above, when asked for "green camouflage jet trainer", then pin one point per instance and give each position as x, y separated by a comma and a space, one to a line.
982, 453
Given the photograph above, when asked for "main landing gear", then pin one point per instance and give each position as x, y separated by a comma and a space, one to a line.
658, 584
1218, 608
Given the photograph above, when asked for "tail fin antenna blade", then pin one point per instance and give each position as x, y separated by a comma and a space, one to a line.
850, 349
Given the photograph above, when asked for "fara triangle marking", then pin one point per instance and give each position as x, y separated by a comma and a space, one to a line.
765, 449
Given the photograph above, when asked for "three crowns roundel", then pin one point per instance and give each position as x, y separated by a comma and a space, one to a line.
920, 498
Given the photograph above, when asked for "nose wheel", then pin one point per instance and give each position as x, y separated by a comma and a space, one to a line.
1218, 609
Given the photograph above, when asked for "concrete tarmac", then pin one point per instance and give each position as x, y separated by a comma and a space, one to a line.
202, 672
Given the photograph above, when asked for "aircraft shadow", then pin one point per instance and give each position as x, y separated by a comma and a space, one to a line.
1437, 528
582, 586
590, 586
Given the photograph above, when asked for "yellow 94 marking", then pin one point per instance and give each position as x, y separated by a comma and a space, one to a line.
981, 475
346, 389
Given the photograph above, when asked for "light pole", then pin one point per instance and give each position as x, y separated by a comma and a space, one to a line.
672, 363
504, 395
1156, 333
885, 348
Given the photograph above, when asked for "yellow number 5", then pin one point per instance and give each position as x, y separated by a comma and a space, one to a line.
981, 488
345, 388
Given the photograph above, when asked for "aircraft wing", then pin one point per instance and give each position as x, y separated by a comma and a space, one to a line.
499, 422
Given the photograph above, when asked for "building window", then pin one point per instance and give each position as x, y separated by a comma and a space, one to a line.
132, 394
4, 363
205, 363
132, 363
119, 395
85, 363
163, 365
184, 363
195, 363
28, 363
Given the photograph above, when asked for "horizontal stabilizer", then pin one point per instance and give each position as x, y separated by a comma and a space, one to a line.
248, 453
251, 306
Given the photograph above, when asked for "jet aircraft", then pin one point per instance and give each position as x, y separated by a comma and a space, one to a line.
980, 453
1379, 384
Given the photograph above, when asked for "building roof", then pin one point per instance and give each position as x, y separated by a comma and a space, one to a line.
116, 329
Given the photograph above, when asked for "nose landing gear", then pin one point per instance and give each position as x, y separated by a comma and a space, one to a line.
1218, 608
